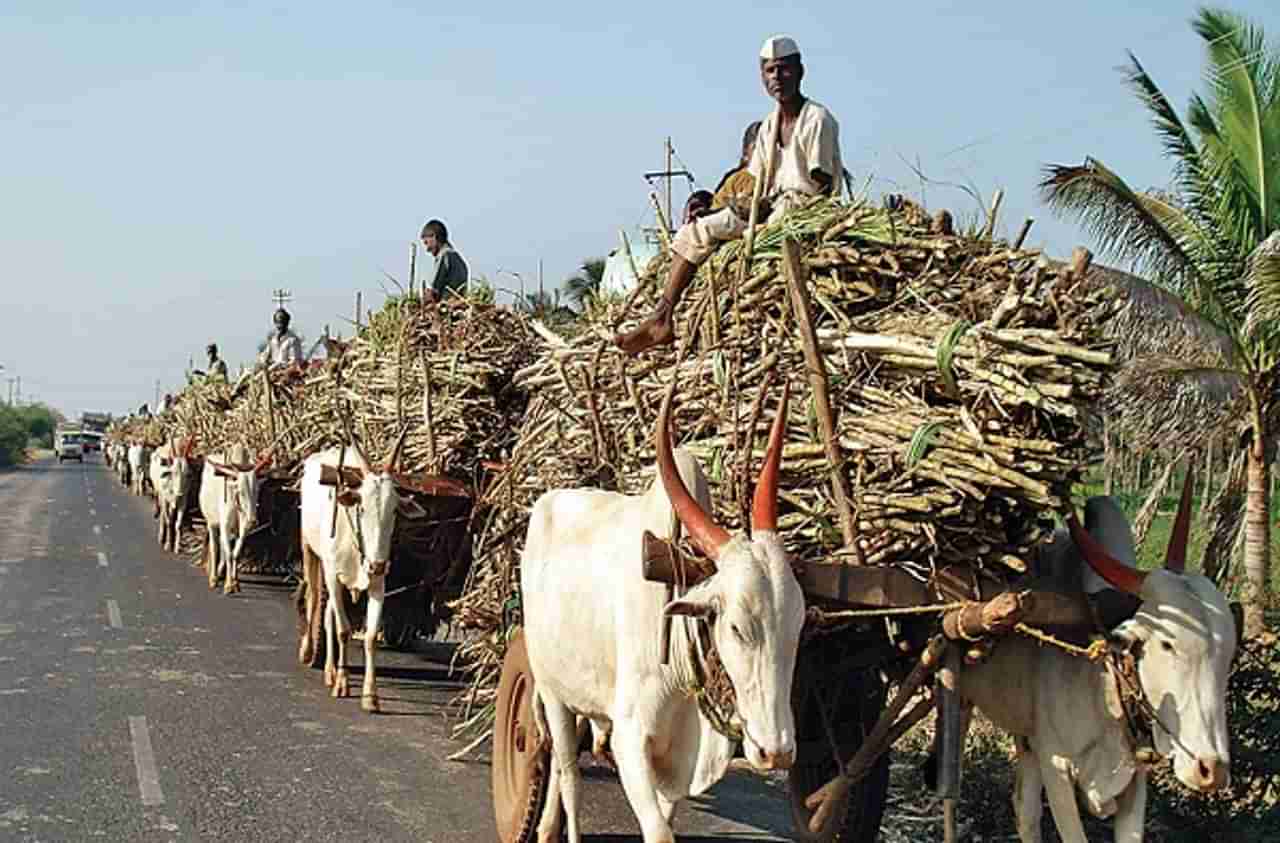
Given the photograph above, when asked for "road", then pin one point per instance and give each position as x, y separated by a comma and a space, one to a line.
136, 705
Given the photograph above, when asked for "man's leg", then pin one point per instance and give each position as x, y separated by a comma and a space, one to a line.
659, 329
693, 244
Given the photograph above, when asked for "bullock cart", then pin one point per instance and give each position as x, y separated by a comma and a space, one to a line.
944, 390
437, 378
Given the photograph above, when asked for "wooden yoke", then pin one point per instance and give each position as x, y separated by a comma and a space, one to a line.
662, 562
350, 476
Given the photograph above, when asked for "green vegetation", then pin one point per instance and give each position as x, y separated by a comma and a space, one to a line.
1213, 242
584, 285
20, 427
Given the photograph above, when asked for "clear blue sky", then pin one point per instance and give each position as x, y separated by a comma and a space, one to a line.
162, 172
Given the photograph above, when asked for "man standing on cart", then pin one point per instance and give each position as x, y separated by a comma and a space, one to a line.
796, 154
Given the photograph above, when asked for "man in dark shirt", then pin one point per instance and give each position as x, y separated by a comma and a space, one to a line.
451, 269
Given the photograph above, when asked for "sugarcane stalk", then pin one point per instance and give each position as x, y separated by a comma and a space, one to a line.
818, 382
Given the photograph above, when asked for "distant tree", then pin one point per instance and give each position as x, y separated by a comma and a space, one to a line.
584, 285
546, 307
40, 422
13, 436
1212, 241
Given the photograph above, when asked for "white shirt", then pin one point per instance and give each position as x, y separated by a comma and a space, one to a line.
282, 351
815, 145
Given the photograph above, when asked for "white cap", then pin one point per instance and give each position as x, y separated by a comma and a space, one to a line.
779, 47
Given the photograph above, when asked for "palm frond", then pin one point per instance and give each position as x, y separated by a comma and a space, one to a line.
1242, 79
1177, 141
1124, 226
1262, 288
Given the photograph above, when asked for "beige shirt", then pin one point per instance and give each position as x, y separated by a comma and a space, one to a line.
282, 351
815, 145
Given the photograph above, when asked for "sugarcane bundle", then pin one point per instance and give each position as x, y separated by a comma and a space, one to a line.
959, 374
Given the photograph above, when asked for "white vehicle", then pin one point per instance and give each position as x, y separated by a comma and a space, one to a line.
67, 446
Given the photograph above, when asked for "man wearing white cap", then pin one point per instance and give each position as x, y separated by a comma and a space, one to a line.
796, 153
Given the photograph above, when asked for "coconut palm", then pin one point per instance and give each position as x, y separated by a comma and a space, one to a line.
585, 284
1213, 241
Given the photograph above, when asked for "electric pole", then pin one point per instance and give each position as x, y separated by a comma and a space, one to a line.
668, 175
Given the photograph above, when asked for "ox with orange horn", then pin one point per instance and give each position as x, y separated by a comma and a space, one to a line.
749, 605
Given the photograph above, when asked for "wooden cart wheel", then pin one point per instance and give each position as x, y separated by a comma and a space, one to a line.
855, 702
520, 765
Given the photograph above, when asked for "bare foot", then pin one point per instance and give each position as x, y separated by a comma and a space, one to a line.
654, 331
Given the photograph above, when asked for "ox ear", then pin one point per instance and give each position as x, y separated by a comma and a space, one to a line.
409, 508
348, 498
693, 605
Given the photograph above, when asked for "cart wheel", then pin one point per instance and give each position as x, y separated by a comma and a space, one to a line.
520, 764
856, 701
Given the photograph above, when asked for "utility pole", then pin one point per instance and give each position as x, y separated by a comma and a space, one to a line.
11, 380
413, 265
668, 175
156, 405
19, 390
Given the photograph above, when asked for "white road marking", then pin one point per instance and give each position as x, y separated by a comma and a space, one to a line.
97, 530
102, 559
92, 511
144, 761
113, 615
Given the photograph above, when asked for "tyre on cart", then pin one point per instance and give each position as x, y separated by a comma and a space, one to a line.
521, 762
852, 703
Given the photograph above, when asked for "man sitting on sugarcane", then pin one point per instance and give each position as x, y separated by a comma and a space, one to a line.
451, 270
284, 347
217, 370
795, 157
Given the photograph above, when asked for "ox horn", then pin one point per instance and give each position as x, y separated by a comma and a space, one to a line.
764, 506
706, 534
351, 437
1175, 557
1108, 567
393, 462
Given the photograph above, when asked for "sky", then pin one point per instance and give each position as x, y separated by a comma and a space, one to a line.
162, 171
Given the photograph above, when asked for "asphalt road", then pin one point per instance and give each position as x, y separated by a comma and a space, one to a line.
136, 705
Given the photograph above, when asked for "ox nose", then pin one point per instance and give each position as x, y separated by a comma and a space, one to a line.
1211, 773
779, 760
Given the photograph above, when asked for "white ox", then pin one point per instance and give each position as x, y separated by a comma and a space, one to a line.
593, 629
118, 458
351, 550
1068, 712
171, 481
229, 486
139, 456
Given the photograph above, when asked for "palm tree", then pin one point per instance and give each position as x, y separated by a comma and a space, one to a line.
1212, 240
585, 284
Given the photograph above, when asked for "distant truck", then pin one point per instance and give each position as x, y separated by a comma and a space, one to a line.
96, 422
68, 445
